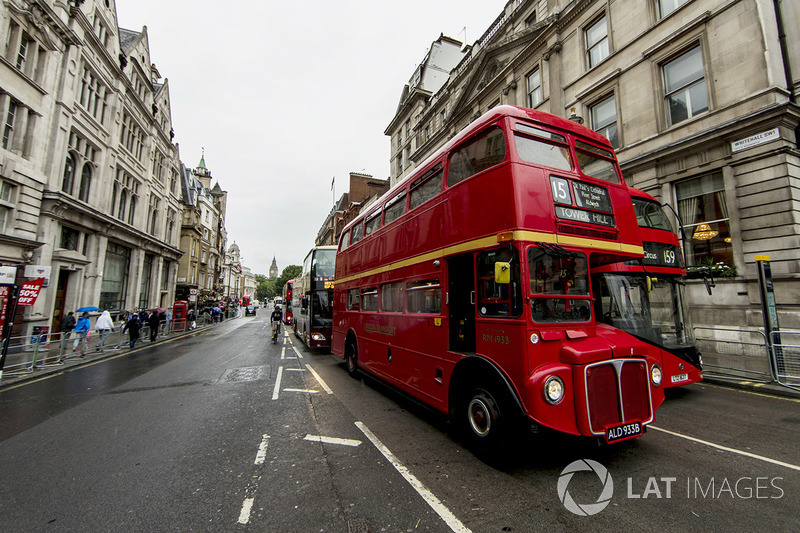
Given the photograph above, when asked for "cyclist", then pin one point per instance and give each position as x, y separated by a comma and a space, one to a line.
275, 320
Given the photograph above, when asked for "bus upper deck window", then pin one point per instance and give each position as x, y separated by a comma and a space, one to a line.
485, 151
358, 232
596, 162
543, 153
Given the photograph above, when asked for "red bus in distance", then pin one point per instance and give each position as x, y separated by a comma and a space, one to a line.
287, 302
645, 297
467, 285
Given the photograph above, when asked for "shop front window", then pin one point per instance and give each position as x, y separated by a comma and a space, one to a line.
703, 208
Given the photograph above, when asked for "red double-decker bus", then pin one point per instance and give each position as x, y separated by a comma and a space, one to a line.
645, 297
467, 285
287, 302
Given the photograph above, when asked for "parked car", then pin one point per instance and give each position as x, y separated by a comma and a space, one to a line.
251, 310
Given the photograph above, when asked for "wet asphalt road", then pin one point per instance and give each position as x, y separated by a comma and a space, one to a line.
225, 431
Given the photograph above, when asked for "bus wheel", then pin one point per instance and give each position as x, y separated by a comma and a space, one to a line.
351, 359
483, 419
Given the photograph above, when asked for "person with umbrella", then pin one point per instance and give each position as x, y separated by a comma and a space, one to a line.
81, 330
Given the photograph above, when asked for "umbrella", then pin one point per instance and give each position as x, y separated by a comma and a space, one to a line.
87, 309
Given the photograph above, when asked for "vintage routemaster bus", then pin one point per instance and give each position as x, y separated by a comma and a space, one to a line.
645, 297
287, 302
313, 298
467, 285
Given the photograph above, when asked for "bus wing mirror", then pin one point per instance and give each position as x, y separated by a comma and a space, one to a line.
502, 273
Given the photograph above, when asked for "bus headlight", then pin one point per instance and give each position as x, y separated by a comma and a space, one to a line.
317, 337
655, 375
553, 390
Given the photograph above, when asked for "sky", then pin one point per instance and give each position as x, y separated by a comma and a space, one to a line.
286, 97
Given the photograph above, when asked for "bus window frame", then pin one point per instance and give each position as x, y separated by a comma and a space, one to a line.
400, 196
359, 225
344, 241
457, 150
536, 297
597, 153
420, 182
412, 290
545, 137
397, 289
514, 298
369, 219
354, 300
369, 292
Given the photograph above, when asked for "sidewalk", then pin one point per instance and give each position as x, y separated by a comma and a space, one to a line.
772, 389
42, 368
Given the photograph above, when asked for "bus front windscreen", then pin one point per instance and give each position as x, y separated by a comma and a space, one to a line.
559, 286
324, 264
658, 315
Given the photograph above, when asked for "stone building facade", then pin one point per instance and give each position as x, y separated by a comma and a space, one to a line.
699, 97
203, 237
88, 166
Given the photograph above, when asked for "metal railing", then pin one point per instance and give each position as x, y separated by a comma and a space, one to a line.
786, 357
746, 354
735, 353
26, 354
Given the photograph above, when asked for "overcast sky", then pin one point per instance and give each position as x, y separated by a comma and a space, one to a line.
285, 96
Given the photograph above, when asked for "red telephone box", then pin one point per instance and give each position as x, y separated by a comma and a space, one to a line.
180, 311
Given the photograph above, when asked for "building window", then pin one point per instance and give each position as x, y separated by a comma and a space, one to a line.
400, 162
597, 42
170, 225
5, 212
94, 95
86, 182
152, 214
132, 137
665, 7
125, 187
24, 52
69, 238
8, 128
685, 86
6, 203
69, 174
534, 89
144, 287
165, 275
81, 155
115, 277
604, 120
703, 209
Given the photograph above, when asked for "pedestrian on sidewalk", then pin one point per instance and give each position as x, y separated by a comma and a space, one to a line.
132, 327
79, 346
154, 320
67, 325
103, 327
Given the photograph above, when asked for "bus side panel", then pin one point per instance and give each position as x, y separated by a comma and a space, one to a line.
476, 214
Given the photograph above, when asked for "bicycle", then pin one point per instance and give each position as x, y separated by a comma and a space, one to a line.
276, 329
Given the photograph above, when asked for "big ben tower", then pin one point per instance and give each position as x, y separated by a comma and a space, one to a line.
273, 270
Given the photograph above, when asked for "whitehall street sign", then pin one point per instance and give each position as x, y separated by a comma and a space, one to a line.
755, 140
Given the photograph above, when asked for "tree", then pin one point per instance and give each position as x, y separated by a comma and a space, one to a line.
290, 272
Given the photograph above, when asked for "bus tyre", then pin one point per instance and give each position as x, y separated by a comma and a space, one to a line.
351, 359
485, 419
